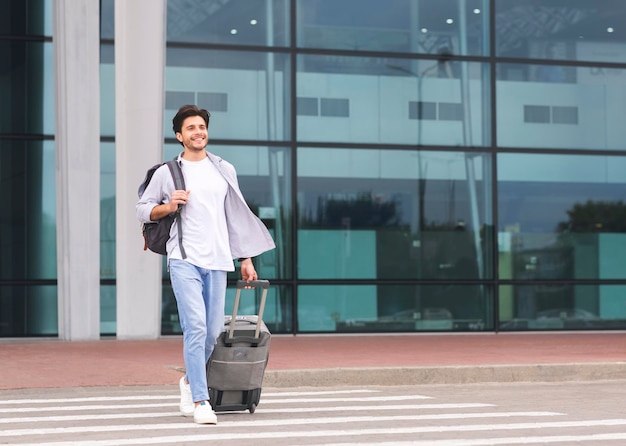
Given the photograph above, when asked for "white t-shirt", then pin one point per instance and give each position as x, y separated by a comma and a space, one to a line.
205, 233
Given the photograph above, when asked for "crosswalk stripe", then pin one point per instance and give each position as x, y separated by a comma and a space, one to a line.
90, 399
165, 397
319, 392
370, 399
377, 408
269, 401
90, 407
274, 423
567, 439
231, 436
291, 410
103, 416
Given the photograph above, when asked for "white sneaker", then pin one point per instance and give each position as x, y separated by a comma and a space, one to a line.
186, 400
203, 414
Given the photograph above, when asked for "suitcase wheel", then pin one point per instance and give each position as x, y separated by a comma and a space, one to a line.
252, 408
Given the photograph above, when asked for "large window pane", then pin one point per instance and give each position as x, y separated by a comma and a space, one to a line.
561, 30
28, 311
367, 100
107, 19
26, 18
552, 106
246, 92
561, 217
419, 26
170, 323
108, 309
241, 22
107, 90
107, 211
28, 223
264, 175
394, 308
562, 307
388, 214
26, 87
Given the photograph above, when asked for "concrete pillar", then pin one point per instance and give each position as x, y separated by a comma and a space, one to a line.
77, 88
139, 105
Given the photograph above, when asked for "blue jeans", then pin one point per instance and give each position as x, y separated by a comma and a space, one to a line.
200, 295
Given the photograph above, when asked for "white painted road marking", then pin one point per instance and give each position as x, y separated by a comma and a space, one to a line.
365, 399
274, 423
91, 399
102, 416
370, 399
403, 407
231, 436
567, 439
392, 416
83, 408
291, 410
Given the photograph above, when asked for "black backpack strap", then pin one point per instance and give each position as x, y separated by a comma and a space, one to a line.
179, 184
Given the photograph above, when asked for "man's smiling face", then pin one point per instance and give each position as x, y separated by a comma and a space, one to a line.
194, 134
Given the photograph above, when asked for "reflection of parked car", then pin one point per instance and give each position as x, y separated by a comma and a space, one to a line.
557, 318
567, 313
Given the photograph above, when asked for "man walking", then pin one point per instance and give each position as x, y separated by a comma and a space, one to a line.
217, 226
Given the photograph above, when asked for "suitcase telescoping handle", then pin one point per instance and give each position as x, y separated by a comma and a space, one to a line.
253, 284
265, 284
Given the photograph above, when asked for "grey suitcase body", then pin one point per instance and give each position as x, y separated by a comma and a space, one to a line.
236, 367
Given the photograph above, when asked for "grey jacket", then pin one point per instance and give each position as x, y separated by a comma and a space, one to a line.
247, 234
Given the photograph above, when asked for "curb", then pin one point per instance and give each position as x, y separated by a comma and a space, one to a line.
400, 376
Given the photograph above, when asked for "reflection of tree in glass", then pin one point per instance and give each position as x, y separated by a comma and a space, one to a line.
595, 216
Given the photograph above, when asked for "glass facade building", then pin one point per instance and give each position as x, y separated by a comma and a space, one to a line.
423, 165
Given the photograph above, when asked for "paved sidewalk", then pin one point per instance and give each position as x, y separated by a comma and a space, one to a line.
308, 360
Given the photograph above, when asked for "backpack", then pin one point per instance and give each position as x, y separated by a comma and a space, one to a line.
156, 234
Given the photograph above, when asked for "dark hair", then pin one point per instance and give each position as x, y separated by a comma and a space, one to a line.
185, 112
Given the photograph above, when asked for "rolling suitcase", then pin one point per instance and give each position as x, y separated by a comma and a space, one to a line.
236, 367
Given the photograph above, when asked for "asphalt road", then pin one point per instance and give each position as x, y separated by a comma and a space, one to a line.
581, 413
